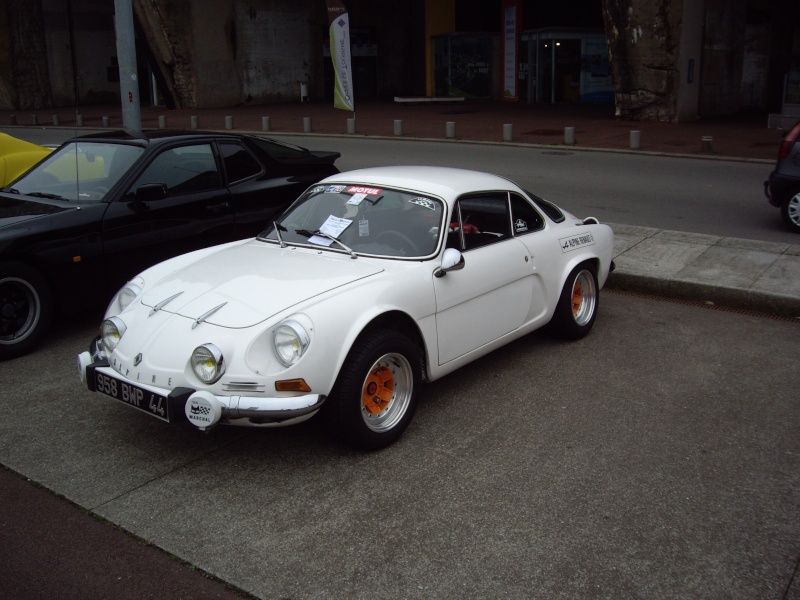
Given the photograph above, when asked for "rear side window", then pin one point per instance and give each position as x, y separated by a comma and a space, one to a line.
548, 208
524, 218
239, 163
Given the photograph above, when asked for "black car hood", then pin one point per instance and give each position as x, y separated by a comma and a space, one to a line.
16, 209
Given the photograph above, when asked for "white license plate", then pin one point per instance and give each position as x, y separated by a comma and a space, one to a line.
141, 399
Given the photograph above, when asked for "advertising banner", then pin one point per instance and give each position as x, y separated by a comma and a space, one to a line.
339, 30
511, 28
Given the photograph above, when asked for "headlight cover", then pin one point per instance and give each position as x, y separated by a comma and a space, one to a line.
291, 341
126, 295
111, 332
208, 363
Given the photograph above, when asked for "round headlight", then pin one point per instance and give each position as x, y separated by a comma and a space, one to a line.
112, 331
208, 363
128, 294
290, 340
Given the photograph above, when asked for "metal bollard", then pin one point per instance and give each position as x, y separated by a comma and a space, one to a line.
508, 132
194, 121
56, 120
34, 120
351, 125
106, 122
569, 136
79, 120
12, 119
707, 143
229, 122
635, 140
398, 126
307, 124
265, 124
162, 121
450, 129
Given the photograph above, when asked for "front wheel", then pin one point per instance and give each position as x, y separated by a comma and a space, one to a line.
375, 395
790, 210
577, 306
26, 308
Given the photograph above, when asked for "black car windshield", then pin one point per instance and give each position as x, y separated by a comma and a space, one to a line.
369, 220
79, 171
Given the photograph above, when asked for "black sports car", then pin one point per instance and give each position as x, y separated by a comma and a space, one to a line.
103, 207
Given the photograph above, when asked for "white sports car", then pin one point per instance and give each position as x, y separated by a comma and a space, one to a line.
371, 283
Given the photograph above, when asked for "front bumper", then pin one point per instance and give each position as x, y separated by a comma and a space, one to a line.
202, 408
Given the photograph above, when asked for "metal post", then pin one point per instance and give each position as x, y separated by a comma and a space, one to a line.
508, 132
398, 126
126, 57
450, 129
569, 136
265, 125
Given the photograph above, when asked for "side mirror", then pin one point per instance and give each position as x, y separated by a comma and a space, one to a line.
151, 191
452, 260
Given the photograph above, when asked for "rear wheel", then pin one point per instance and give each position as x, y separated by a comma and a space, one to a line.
790, 210
577, 306
375, 395
26, 309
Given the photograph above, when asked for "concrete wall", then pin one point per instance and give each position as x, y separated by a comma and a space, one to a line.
95, 51
690, 60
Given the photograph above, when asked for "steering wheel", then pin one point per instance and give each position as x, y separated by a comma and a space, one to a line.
402, 241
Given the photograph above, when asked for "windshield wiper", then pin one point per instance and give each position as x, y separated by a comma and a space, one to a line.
44, 195
278, 233
308, 233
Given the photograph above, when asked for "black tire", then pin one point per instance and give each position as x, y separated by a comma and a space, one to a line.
790, 210
26, 309
375, 394
577, 306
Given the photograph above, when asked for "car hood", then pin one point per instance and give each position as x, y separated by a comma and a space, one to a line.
15, 210
242, 285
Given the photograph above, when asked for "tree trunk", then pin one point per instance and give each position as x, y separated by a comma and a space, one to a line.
643, 44
28, 54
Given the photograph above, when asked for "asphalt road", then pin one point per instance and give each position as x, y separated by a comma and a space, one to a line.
716, 197
657, 458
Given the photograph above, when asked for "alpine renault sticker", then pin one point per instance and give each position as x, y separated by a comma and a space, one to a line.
568, 244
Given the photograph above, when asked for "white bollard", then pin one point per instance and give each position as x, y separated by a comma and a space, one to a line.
79, 120
194, 121
162, 122
307, 124
398, 126
229, 122
707, 143
508, 132
450, 129
636, 140
106, 122
351, 125
569, 136
56, 120
265, 124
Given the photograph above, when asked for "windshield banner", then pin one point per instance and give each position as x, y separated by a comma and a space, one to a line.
339, 31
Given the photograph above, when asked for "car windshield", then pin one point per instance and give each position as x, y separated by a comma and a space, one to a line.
79, 171
360, 219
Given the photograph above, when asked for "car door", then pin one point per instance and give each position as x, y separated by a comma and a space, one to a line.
491, 295
194, 211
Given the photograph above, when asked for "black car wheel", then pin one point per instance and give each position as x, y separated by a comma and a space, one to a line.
375, 395
577, 306
790, 210
26, 309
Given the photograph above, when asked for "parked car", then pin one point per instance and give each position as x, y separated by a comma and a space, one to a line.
783, 186
101, 208
372, 282
17, 156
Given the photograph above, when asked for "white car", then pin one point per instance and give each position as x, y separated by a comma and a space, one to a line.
371, 283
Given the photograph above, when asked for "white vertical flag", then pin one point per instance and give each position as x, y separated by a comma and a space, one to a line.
339, 30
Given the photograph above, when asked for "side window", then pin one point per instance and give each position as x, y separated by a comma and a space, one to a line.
183, 170
524, 218
239, 163
479, 220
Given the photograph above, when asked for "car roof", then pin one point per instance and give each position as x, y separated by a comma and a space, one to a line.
155, 135
446, 182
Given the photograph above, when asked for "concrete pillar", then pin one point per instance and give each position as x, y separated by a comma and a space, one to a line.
307, 124
106, 122
194, 121
56, 120
162, 121
79, 120
351, 125
229, 122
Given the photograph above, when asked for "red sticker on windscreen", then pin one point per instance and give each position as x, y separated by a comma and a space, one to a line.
369, 191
